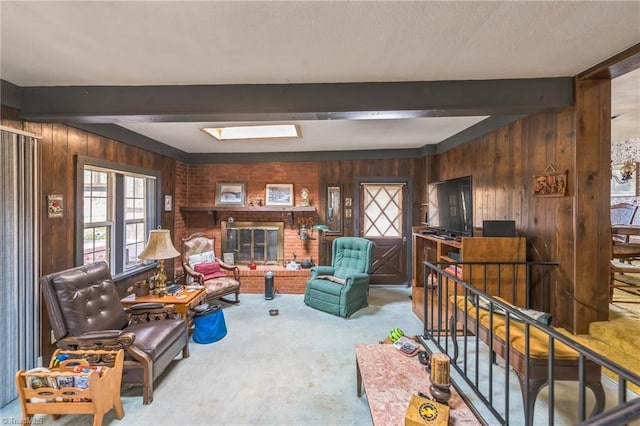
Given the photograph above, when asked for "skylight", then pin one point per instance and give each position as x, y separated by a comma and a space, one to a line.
267, 131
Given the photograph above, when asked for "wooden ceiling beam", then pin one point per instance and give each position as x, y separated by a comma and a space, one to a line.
620, 64
265, 102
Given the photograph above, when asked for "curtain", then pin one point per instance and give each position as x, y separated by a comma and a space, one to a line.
19, 258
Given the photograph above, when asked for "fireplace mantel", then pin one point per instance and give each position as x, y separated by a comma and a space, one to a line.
213, 210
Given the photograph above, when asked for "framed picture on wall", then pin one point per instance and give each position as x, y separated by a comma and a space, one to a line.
279, 194
334, 210
620, 187
55, 207
230, 194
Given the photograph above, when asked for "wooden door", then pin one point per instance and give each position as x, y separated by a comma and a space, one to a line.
382, 219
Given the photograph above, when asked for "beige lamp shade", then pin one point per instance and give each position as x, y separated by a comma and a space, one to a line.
159, 246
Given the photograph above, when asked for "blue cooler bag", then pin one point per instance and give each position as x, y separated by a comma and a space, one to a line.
209, 324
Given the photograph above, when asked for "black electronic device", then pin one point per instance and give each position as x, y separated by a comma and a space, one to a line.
450, 206
498, 228
174, 289
454, 255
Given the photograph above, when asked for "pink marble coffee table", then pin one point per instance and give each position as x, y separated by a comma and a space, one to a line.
390, 378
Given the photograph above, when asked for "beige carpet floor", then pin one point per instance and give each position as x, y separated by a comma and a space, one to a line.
297, 368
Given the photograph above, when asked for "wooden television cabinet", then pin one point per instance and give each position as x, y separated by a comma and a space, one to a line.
506, 281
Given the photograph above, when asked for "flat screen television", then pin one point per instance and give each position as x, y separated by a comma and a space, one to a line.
450, 207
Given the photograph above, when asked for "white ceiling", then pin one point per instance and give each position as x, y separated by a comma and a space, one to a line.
268, 42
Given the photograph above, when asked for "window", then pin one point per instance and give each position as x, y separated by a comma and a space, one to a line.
134, 218
119, 206
383, 210
96, 244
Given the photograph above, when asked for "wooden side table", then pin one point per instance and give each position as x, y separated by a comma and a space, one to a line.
390, 379
183, 301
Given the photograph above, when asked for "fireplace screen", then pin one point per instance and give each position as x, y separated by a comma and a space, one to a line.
261, 242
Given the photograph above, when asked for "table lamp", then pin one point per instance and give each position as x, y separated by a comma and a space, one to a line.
159, 247
320, 229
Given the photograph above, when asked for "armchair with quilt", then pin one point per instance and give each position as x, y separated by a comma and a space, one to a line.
86, 313
341, 289
200, 263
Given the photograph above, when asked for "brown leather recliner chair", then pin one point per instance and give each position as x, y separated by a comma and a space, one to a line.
86, 313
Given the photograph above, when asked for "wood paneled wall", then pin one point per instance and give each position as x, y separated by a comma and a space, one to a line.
59, 145
345, 173
591, 250
572, 230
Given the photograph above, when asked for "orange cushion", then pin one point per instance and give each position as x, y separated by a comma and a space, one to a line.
538, 340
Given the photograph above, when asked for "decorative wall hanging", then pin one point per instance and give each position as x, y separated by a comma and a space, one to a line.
230, 194
304, 198
334, 210
623, 181
54, 206
550, 183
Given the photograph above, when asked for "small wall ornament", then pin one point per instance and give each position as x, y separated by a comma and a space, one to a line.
550, 183
55, 208
304, 198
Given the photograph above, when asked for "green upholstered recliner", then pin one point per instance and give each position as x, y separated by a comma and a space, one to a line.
341, 289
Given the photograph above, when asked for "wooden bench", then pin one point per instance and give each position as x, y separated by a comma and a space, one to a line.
565, 360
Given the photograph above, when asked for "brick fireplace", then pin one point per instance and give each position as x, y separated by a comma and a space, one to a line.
196, 188
263, 243
260, 242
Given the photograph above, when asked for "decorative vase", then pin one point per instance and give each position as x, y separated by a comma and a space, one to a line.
141, 288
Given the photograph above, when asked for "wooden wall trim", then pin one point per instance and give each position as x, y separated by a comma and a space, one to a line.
591, 221
19, 132
480, 129
615, 66
137, 140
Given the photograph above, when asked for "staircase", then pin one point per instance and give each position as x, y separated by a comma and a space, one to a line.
617, 339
